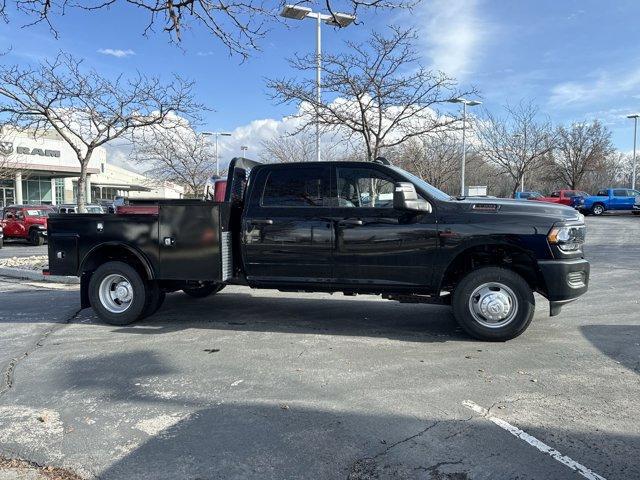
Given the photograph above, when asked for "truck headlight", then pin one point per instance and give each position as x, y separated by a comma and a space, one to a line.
568, 238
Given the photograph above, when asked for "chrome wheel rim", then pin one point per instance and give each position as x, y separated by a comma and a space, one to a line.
493, 305
116, 293
597, 209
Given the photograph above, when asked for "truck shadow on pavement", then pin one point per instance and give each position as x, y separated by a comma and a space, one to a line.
618, 342
261, 441
330, 316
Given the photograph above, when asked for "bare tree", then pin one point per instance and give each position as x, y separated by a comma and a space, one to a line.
517, 144
434, 157
580, 148
86, 109
178, 155
381, 94
288, 148
237, 24
612, 170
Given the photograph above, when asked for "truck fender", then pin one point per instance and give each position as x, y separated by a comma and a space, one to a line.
468, 248
117, 245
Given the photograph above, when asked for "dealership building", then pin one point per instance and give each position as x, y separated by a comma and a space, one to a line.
44, 170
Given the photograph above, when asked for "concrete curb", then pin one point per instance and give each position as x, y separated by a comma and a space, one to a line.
34, 275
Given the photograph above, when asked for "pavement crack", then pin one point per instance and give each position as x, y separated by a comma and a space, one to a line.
7, 379
365, 463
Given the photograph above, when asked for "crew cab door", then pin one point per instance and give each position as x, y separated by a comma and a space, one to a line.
375, 243
620, 200
287, 232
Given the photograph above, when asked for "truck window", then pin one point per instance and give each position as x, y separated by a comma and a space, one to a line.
602, 193
296, 187
620, 193
555, 194
363, 187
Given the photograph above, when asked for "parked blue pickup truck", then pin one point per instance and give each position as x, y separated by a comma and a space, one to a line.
612, 199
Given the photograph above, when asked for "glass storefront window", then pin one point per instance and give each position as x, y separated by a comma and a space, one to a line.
59, 191
36, 190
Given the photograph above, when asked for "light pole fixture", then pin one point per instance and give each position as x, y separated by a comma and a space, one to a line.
635, 136
465, 103
342, 20
216, 135
243, 149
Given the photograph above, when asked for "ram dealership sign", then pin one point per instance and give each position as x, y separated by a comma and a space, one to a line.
38, 151
6, 148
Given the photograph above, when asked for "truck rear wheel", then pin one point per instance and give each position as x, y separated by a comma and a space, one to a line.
155, 299
203, 290
597, 209
117, 293
493, 304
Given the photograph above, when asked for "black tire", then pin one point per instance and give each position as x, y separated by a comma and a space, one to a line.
482, 280
138, 292
203, 290
155, 299
597, 209
35, 238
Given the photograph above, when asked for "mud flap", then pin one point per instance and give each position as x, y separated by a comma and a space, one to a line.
84, 290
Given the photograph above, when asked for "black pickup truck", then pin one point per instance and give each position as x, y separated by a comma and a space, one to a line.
351, 227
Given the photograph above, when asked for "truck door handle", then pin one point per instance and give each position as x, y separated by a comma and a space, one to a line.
262, 221
350, 221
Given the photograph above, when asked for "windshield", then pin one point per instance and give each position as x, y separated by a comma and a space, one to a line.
33, 212
430, 189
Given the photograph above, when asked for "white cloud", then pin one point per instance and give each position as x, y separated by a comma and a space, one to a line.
452, 32
116, 52
599, 86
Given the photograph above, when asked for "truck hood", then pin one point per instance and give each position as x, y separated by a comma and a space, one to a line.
36, 221
554, 211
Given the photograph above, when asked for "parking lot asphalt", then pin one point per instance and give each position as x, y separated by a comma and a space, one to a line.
18, 248
262, 384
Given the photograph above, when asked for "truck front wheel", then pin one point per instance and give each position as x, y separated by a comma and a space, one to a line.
203, 290
35, 238
493, 303
117, 293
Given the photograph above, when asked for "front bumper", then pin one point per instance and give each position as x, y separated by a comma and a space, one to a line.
565, 281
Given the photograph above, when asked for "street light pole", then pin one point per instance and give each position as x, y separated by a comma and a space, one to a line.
471, 103
318, 80
216, 135
341, 20
635, 136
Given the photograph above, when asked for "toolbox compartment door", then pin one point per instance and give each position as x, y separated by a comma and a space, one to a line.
189, 241
63, 254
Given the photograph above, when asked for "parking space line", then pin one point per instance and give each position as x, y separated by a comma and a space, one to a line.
533, 441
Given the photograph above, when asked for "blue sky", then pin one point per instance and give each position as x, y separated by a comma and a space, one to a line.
578, 60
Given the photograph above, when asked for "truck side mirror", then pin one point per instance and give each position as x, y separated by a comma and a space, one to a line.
405, 197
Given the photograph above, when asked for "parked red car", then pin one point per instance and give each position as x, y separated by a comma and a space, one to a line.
27, 222
563, 197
